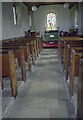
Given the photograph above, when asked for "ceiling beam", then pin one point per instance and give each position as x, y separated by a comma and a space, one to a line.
38, 4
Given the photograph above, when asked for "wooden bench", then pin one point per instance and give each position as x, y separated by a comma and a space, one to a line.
62, 45
8, 67
68, 51
19, 54
6, 71
76, 44
80, 91
76, 56
72, 43
77, 48
62, 39
26, 49
21, 47
71, 51
24, 43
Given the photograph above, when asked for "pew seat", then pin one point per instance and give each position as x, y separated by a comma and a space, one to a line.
9, 69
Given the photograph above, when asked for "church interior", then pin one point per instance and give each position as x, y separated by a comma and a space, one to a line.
41, 60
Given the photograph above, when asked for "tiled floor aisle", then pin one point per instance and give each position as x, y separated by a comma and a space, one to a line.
44, 94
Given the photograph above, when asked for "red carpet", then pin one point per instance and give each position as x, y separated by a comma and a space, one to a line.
50, 45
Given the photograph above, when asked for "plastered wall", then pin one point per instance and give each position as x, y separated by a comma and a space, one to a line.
82, 18
9, 30
65, 19
0, 21
62, 14
79, 18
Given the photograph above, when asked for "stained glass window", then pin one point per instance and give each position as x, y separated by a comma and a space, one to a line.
51, 21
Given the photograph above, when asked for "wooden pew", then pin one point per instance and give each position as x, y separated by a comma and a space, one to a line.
62, 45
70, 38
14, 44
8, 66
26, 50
77, 48
61, 40
32, 52
75, 44
80, 91
28, 39
1, 71
24, 43
37, 44
35, 49
72, 44
17, 45
28, 57
19, 54
76, 56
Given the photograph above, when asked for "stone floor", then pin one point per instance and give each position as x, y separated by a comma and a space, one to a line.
45, 93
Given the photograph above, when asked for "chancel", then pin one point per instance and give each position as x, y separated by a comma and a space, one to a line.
41, 60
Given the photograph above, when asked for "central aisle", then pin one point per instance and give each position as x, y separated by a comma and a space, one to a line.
45, 93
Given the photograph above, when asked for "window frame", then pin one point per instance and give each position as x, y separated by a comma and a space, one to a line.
51, 21
14, 15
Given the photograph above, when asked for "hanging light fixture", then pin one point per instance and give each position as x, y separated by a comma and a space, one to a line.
66, 5
34, 8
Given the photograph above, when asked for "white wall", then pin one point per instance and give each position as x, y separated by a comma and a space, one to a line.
30, 14
82, 18
72, 17
9, 30
0, 61
63, 17
0, 21
79, 18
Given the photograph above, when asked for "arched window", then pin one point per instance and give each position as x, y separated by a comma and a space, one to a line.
14, 15
51, 21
